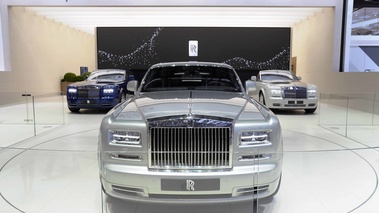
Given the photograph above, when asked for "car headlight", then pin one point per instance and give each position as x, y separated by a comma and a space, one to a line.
125, 138
108, 90
312, 92
72, 90
276, 92
254, 138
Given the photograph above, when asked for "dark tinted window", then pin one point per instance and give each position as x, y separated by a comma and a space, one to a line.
191, 77
278, 77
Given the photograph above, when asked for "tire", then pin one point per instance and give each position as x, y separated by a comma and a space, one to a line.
309, 111
262, 98
123, 97
74, 109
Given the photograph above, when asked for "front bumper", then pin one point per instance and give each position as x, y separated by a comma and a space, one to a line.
242, 183
92, 103
280, 103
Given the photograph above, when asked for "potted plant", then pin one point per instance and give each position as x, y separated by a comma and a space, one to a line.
67, 79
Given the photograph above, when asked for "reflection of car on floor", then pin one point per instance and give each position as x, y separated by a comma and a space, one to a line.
281, 89
190, 134
103, 89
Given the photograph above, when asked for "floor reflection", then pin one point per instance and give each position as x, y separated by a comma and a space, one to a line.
115, 205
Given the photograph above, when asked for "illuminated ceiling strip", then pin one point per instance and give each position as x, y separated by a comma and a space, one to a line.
86, 19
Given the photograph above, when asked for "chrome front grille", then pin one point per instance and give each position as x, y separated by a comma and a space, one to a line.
295, 92
190, 148
90, 92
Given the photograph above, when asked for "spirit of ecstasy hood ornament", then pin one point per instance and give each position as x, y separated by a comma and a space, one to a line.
190, 118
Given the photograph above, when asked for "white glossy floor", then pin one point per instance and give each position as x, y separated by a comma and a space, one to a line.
56, 171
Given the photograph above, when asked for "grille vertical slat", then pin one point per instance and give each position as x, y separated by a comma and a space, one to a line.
201, 148
218, 148
190, 148
172, 142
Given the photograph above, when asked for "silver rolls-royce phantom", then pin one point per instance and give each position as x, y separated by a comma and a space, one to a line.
190, 133
281, 89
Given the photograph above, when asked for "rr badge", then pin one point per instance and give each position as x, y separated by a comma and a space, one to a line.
190, 185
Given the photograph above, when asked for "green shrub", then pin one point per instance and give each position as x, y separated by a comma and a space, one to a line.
69, 77
79, 78
86, 74
72, 77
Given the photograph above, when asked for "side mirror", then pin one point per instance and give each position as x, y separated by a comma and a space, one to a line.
132, 86
299, 77
253, 78
250, 86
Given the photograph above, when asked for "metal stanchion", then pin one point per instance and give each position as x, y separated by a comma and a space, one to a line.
26, 95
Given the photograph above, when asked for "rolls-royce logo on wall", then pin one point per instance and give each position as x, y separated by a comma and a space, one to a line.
193, 48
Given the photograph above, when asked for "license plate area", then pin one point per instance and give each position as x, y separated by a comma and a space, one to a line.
88, 101
190, 184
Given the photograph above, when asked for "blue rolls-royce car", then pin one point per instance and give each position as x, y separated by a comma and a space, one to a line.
103, 89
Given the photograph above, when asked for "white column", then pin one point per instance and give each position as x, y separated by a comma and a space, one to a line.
5, 58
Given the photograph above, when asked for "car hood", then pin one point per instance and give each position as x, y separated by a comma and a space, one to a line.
95, 83
196, 103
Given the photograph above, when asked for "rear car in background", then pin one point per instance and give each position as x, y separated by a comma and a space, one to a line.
281, 89
103, 89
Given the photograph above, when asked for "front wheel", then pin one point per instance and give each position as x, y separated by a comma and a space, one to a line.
74, 109
123, 97
310, 110
262, 99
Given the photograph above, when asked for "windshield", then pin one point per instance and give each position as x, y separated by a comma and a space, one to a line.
191, 78
278, 77
107, 76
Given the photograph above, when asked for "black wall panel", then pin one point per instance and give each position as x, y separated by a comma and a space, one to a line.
248, 50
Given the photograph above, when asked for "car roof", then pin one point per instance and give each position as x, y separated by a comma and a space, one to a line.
275, 71
111, 71
191, 63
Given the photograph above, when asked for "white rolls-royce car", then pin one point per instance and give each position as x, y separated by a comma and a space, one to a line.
281, 89
190, 134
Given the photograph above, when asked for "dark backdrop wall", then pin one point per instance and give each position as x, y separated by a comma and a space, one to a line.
248, 50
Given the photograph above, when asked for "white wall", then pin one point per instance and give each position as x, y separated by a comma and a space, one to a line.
312, 44
42, 51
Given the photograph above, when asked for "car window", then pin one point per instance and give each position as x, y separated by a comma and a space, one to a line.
107, 76
278, 77
191, 77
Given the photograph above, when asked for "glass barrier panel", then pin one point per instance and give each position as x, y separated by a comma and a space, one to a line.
360, 125
360, 109
353, 115
333, 112
48, 112
376, 110
23, 115
16, 118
